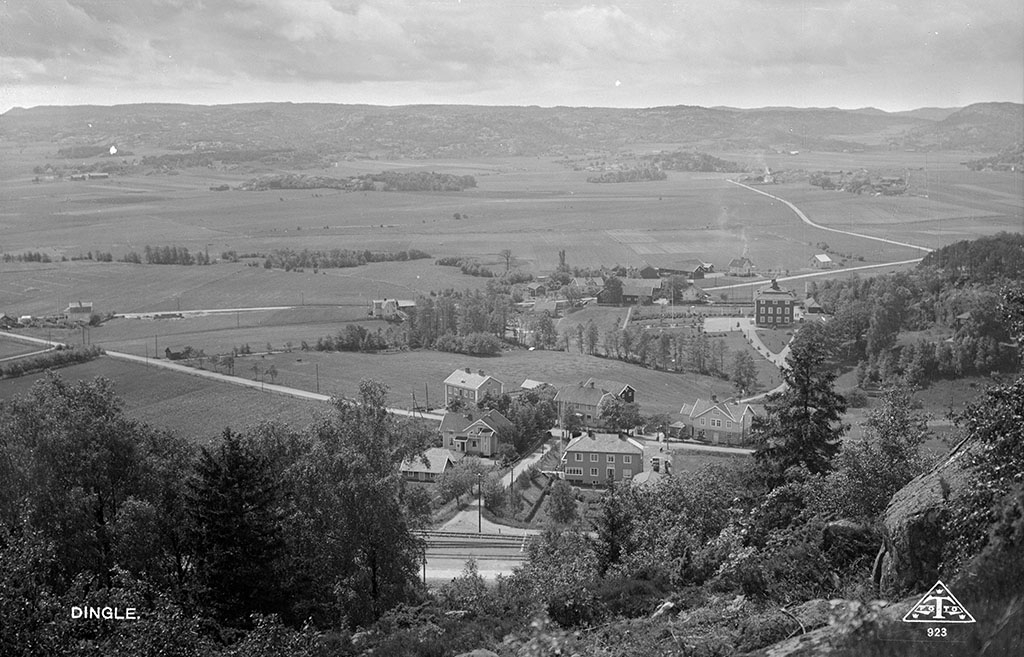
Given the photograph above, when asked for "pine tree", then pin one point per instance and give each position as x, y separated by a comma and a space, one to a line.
802, 425
236, 532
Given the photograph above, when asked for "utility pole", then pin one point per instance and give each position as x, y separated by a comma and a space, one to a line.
318, 378
479, 503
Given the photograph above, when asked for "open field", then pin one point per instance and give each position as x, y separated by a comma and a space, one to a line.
187, 405
534, 205
46, 288
10, 348
421, 373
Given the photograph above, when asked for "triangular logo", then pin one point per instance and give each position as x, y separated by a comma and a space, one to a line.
938, 605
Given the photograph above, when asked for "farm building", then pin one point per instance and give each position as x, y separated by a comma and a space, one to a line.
438, 460
673, 266
822, 261
774, 306
720, 422
588, 283
741, 267
638, 291
474, 433
598, 459
78, 310
536, 289
812, 307
470, 387
391, 309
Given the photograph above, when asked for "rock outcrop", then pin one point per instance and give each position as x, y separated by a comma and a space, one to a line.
913, 533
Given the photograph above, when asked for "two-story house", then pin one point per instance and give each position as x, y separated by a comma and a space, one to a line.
470, 387
585, 399
724, 422
598, 459
474, 432
774, 306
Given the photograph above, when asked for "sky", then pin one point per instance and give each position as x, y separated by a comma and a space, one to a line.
893, 55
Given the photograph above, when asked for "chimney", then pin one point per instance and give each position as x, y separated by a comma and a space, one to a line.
714, 399
590, 433
480, 372
469, 370
591, 384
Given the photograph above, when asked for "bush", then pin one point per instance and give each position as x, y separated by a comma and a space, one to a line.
856, 398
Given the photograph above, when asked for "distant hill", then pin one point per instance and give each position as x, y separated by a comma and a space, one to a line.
982, 126
437, 131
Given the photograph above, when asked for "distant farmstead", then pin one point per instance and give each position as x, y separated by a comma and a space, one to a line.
79, 310
822, 261
391, 309
741, 267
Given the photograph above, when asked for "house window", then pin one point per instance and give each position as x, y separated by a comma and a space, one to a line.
574, 471
593, 472
716, 422
627, 458
702, 422
579, 457
593, 458
728, 425
627, 474
474, 443
611, 458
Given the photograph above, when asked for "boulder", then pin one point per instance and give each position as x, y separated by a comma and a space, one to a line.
913, 532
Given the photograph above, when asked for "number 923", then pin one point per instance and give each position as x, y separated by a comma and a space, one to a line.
936, 631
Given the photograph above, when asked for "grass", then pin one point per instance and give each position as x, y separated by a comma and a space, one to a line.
181, 403
9, 348
420, 373
775, 339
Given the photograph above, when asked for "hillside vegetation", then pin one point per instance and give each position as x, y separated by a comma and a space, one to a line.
305, 132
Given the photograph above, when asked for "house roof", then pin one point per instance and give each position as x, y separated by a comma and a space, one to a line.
530, 384
79, 307
437, 461
607, 385
639, 287
741, 262
586, 396
463, 422
464, 379
676, 263
732, 409
775, 292
607, 443
822, 257
588, 281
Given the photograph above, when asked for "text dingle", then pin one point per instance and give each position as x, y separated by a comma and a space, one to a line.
104, 613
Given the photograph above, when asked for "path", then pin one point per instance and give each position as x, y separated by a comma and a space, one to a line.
803, 218
466, 520
226, 378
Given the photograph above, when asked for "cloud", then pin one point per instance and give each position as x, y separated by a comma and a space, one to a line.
543, 52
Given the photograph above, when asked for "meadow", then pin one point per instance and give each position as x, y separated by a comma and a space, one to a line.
186, 405
421, 373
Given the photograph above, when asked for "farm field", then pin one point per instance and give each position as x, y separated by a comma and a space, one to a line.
184, 404
535, 206
421, 373
46, 288
10, 348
